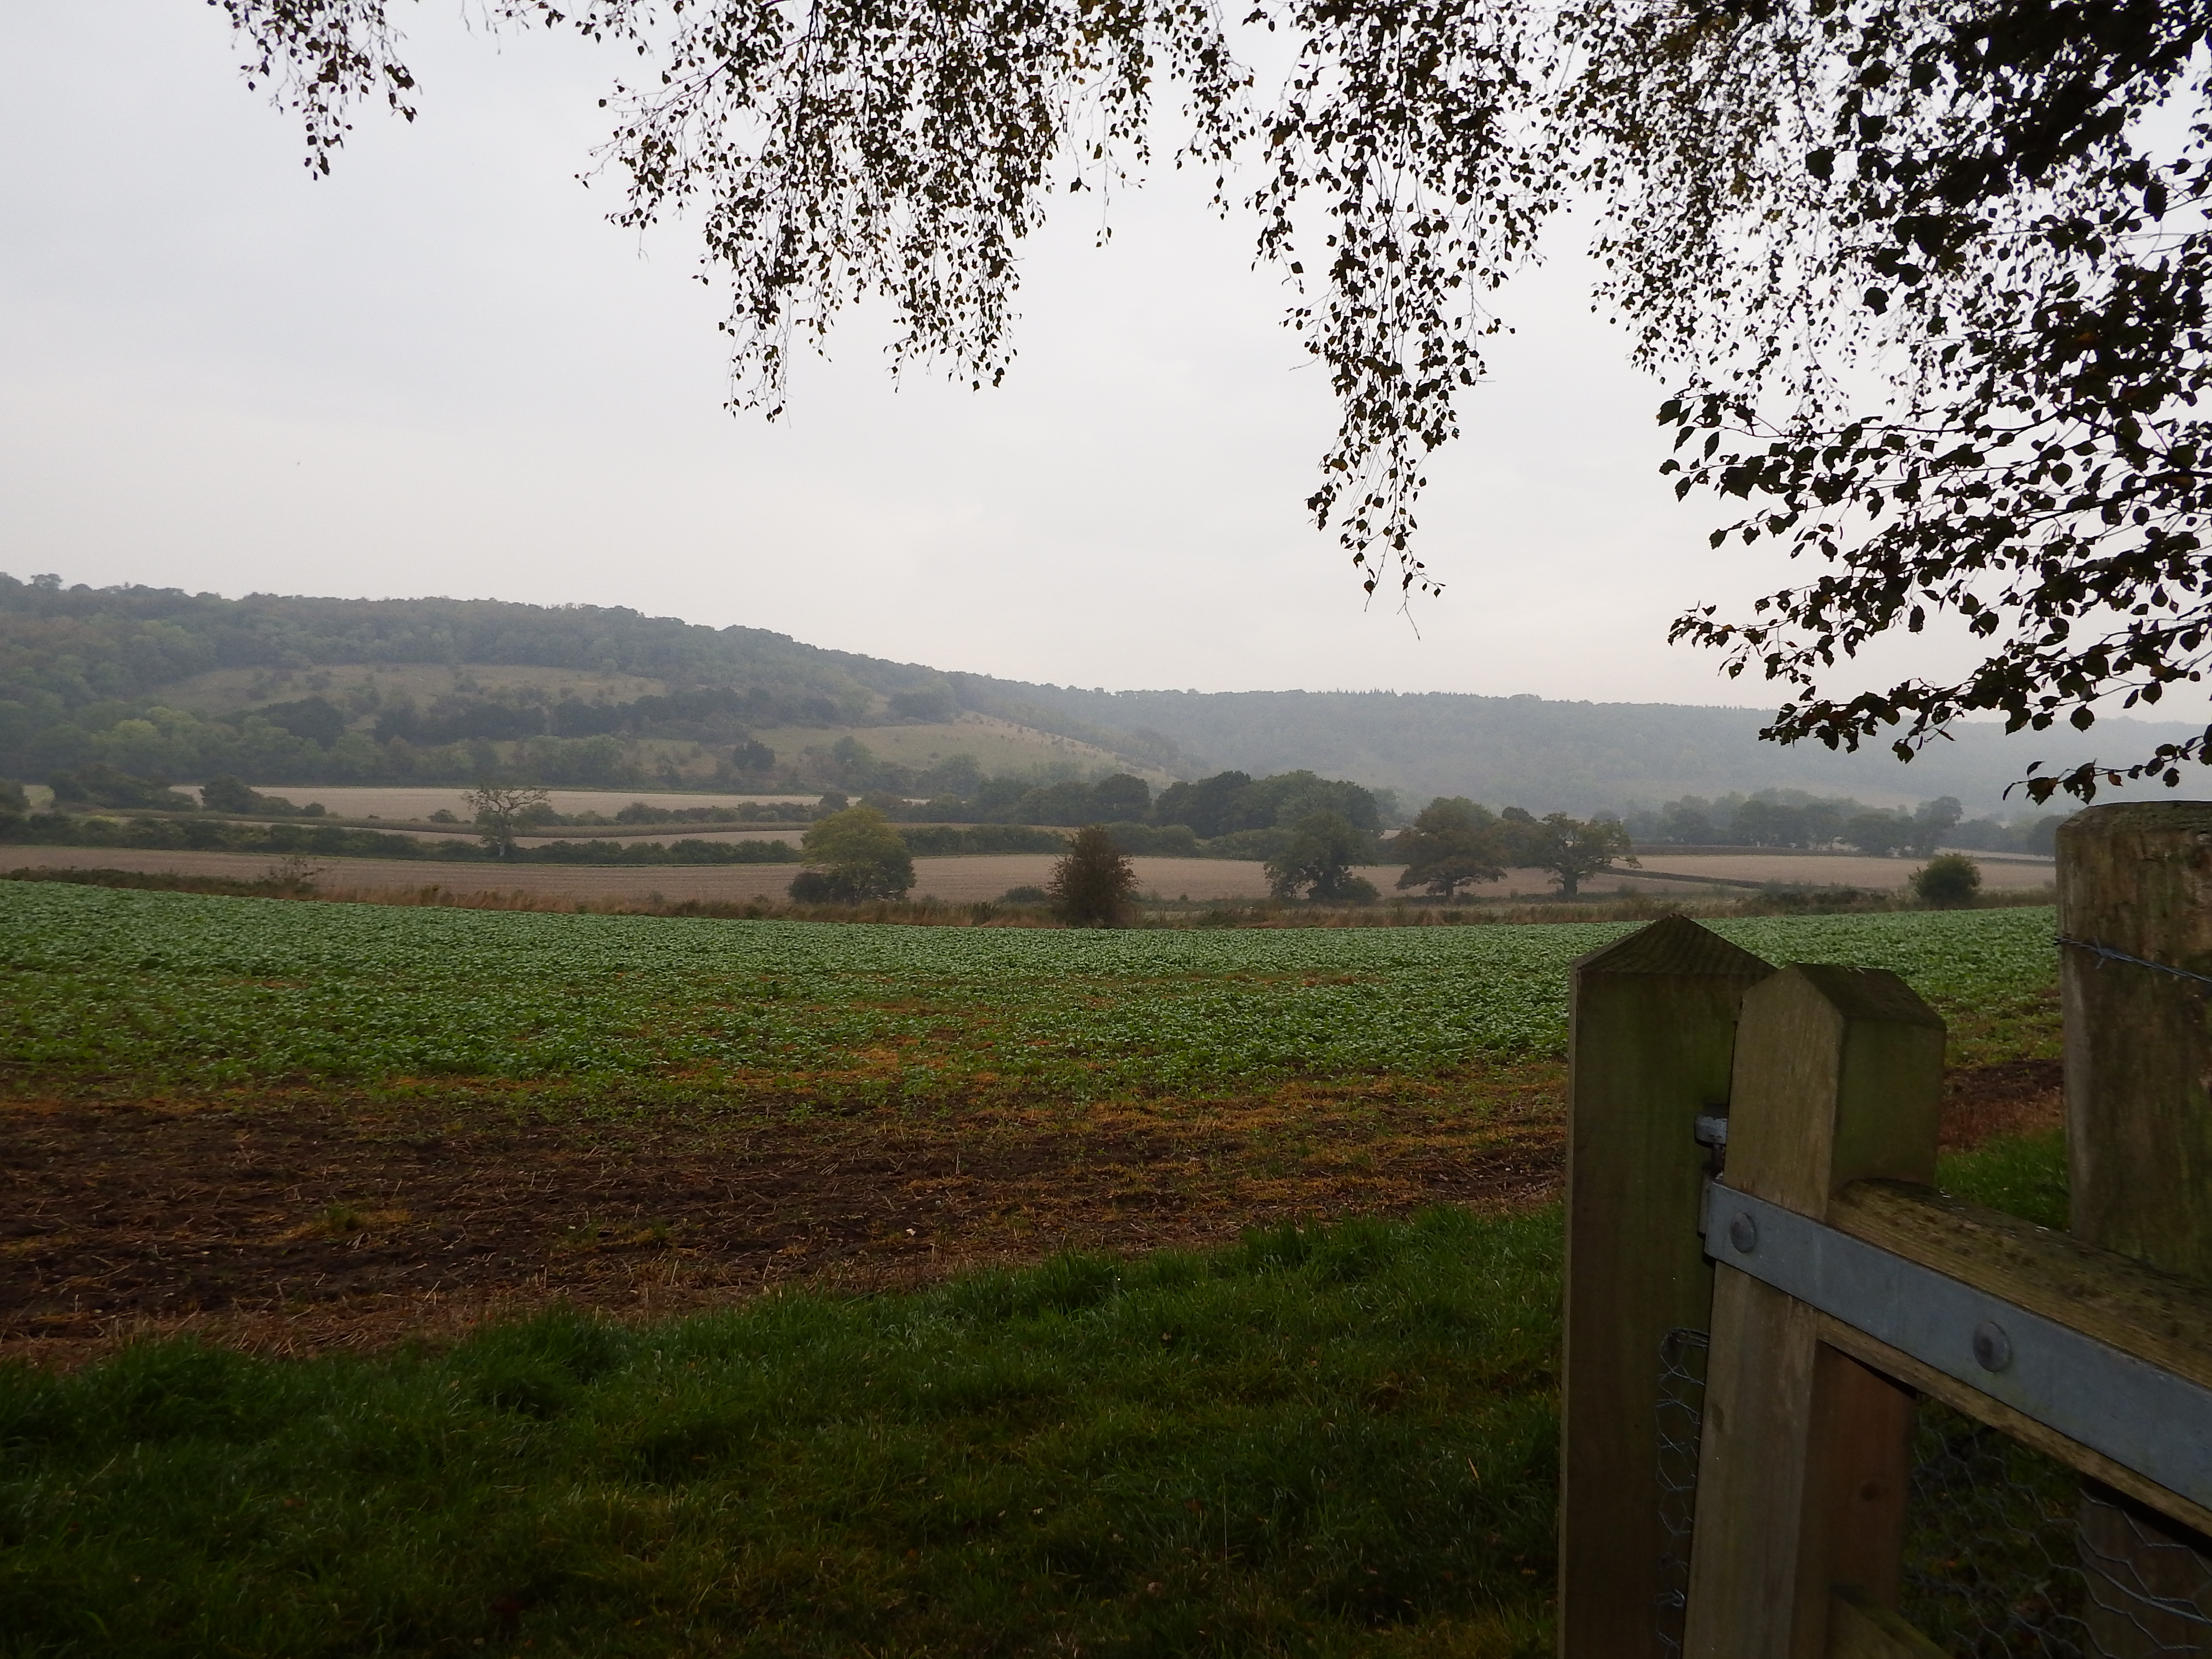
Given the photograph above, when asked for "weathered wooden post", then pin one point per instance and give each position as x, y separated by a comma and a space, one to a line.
2135, 920
1803, 1467
1654, 1028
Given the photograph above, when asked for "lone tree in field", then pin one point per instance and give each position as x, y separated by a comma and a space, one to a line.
1928, 281
1093, 885
1451, 844
1323, 847
503, 810
1575, 849
853, 855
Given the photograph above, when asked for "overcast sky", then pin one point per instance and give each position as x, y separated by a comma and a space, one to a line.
441, 372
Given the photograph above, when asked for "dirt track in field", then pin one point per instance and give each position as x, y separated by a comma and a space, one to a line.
297, 1221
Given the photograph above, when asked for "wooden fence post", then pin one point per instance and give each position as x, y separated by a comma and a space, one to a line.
2135, 888
1654, 1026
1803, 1475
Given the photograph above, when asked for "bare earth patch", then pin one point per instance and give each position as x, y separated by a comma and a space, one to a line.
2014, 1097
314, 1218
295, 1220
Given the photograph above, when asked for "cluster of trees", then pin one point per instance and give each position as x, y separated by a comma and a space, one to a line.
225, 793
720, 714
83, 670
750, 812
313, 839
1296, 820
849, 765
1229, 815
313, 740
1454, 843
68, 648
358, 734
852, 856
859, 854
1793, 818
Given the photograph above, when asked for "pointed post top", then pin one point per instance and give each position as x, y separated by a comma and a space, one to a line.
1674, 945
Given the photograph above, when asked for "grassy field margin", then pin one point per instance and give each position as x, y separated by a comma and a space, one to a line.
1319, 1441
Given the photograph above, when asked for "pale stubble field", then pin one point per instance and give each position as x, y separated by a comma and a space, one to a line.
969, 879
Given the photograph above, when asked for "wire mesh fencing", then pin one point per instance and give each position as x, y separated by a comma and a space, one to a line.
2008, 1554
1990, 1566
1681, 1403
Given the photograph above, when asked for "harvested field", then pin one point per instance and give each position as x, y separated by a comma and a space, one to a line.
661, 832
611, 836
1819, 870
413, 801
959, 880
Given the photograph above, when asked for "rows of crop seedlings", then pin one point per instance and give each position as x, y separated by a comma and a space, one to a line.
206, 989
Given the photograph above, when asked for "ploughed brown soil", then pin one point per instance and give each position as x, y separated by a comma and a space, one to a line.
2016, 1097
289, 1221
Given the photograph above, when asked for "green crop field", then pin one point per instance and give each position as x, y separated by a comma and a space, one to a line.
297, 1117
194, 990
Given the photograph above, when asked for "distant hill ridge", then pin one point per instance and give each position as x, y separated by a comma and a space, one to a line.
74, 655
1575, 756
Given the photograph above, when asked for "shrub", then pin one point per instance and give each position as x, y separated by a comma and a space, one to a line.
1949, 881
1093, 882
1025, 896
857, 854
102, 785
226, 793
817, 887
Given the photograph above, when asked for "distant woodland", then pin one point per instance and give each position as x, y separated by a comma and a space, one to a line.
311, 694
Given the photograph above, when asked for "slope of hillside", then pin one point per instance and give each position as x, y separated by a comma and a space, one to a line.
1577, 756
305, 691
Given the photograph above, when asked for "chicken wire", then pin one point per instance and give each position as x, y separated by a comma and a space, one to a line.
2007, 1552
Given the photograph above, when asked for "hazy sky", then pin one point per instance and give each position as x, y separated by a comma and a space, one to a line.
441, 372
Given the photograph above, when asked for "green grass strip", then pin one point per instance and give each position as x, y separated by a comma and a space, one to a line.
1318, 1442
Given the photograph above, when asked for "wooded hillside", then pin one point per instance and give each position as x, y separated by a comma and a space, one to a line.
295, 691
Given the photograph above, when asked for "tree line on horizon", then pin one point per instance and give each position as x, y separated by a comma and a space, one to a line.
1796, 819
1316, 830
